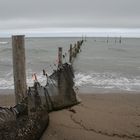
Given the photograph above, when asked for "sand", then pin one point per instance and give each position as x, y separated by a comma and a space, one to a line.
98, 117
7, 97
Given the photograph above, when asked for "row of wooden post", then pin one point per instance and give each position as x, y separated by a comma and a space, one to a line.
19, 67
73, 51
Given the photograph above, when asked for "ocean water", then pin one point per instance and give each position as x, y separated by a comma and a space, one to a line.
102, 66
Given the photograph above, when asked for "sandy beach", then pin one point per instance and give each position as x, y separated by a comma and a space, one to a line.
98, 117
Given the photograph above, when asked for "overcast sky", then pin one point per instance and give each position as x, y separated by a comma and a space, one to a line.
44, 15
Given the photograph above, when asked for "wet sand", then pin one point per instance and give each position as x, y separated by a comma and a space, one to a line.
7, 97
98, 117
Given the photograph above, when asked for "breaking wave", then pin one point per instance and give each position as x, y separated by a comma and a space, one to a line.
107, 81
90, 80
7, 82
3, 42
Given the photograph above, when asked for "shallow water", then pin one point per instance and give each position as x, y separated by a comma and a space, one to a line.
101, 66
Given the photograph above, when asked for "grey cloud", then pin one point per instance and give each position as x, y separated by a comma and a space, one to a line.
69, 13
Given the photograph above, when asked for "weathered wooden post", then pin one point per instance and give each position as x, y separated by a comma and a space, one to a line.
60, 56
59, 66
70, 54
19, 67
78, 46
75, 53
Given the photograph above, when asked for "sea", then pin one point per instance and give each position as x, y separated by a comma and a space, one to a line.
104, 65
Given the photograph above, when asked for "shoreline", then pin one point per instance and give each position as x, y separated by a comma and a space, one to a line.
82, 91
7, 97
6, 91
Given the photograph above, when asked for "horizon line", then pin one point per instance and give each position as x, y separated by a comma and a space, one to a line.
73, 32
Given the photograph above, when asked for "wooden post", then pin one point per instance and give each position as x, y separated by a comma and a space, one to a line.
19, 67
70, 54
78, 46
75, 46
59, 56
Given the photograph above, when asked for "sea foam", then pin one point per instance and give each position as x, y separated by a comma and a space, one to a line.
107, 81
